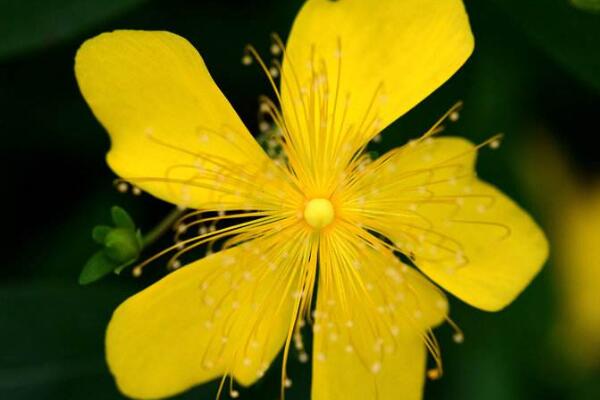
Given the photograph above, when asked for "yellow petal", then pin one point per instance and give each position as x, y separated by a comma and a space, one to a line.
462, 232
216, 316
353, 66
369, 331
173, 132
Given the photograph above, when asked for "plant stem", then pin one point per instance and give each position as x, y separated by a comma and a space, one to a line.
163, 227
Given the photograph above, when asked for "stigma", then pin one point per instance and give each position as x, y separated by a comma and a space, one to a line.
318, 213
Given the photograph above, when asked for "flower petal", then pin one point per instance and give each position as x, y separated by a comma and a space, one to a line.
370, 327
353, 66
462, 232
216, 316
173, 132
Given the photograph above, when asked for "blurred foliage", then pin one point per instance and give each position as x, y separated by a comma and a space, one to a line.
536, 65
570, 37
36, 24
573, 215
588, 5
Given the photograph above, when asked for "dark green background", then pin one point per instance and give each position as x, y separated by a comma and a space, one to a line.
536, 67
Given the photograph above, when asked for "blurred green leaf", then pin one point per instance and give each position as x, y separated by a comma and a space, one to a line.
98, 266
570, 37
27, 25
53, 340
588, 5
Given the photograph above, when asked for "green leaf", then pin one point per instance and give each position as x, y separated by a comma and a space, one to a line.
97, 267
99, 233
587, 5
121, 219
30, 25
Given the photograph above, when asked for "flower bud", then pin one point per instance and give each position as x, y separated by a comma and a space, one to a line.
122, 245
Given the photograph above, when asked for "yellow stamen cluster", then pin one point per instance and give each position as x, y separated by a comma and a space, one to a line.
311, 204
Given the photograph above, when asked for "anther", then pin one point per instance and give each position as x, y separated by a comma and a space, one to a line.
434, 374
275, 49
376, 367
264, 126
247, 59
458, 338
122, 187
264, 108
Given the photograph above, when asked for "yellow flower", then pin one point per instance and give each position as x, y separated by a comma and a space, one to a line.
572, 214
578, 228
324, 213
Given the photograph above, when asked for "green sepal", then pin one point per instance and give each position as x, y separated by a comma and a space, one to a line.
99, 233
140, 238
98, 266
121, 219
122, 245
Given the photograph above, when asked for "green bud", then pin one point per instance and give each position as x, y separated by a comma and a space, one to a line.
99, 233
122, 245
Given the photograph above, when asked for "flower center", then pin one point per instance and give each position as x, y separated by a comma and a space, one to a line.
319, 213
